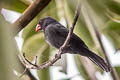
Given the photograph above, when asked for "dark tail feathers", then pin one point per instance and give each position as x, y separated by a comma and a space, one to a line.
99, 62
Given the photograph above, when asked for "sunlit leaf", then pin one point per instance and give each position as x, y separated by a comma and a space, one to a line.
30, 29
33, 46
112, 31
15, 5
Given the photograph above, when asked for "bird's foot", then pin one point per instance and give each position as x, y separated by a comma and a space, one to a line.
58, 56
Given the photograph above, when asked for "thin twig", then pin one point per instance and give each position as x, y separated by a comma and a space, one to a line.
30, 65
98, 35
113, 19
72, 27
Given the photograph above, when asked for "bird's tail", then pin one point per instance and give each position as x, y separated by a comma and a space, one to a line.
98, 61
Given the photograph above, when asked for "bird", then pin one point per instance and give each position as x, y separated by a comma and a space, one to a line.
55, 34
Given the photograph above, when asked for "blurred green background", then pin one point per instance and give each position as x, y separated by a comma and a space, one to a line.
96, 16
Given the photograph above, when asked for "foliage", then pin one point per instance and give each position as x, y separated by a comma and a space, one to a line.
99, 10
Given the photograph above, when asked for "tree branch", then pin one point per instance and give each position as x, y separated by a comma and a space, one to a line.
30, 65
29, 14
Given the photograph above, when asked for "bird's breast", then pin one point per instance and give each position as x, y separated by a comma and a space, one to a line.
54, 40
47, 40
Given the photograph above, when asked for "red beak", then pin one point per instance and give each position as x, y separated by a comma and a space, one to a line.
38, 27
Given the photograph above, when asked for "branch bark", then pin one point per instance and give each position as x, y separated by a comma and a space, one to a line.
29, 14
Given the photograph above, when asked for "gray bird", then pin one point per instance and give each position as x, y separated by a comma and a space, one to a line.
55, 35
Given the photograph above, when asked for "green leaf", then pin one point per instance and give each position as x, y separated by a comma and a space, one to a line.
112, 31
112, 25
15, 5
29, 30
19, 6
118, 71
81, 29
114, 6
33, 46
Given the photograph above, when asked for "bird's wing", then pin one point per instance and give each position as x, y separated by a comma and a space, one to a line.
56, 34
58, 29
62, 32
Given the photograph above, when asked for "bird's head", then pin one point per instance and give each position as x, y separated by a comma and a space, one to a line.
44, 22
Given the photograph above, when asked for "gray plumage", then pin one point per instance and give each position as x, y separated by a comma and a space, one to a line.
55, 35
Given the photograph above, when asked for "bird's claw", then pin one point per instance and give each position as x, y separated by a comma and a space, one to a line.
57, 56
